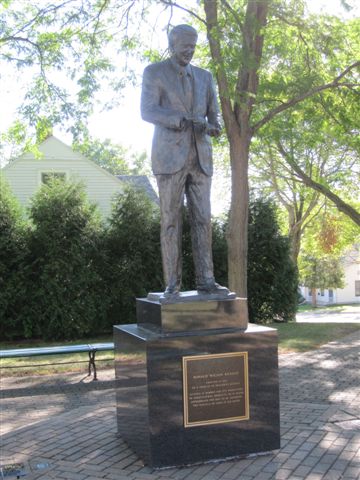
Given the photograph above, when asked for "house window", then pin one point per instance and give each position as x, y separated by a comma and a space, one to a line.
331, 293
46, 177
357, 288
322, 292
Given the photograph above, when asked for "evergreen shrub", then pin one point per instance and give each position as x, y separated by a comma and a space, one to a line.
12, 254
272, 276
65, 297
132, 245
65, 275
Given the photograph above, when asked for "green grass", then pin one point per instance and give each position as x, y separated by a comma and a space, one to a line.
293, 337
74, 362
300, 337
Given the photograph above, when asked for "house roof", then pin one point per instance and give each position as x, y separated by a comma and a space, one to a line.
141, 182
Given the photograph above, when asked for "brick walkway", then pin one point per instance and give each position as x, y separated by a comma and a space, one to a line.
64, 427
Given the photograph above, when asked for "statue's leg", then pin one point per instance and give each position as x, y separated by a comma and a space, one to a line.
171, 193
198, 188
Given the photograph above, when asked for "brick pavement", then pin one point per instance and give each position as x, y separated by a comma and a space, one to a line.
64, 427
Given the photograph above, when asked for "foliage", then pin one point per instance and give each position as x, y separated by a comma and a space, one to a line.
272, 275
12, 253
65, 294
219, 245
133, 255
219, 249
311, 151
69, 276
269, 58
66, 52
114, 158
321, 272
325, 242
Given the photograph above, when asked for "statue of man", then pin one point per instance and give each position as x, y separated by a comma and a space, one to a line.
180, 100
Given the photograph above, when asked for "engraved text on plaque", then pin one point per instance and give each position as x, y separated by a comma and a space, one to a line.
215, 388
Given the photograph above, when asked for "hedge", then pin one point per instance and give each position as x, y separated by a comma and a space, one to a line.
64, 274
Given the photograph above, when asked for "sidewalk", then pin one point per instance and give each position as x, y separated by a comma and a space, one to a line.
336, 314
64, 427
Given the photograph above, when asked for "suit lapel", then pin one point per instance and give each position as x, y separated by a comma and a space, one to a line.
175, 89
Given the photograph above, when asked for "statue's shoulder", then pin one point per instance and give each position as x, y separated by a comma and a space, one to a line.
201, 72
158, 67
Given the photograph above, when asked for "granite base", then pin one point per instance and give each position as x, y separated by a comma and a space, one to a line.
150, 394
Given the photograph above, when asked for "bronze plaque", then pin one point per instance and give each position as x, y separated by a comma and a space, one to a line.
215, 388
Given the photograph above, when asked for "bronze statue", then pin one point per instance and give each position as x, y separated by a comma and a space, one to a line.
180, 100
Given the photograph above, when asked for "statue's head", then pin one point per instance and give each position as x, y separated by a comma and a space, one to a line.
182, 43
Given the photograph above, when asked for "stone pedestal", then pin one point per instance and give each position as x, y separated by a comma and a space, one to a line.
194, 384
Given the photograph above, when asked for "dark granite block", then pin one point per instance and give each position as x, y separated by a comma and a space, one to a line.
190, 316
150, 394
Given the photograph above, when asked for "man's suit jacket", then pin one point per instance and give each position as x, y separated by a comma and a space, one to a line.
163, 104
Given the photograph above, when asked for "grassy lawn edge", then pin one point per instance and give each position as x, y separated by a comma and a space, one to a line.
293, 338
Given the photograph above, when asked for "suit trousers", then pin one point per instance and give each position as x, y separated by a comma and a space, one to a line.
196, 185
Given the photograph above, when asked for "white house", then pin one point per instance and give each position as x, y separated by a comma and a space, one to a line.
27, 173
351, 291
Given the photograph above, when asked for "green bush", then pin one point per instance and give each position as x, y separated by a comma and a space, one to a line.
12, 253
219, 248
272, 277
65, 295
219, 245
133, 265
65, 275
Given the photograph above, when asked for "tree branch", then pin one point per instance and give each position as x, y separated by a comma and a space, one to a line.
308, 181
234, 14
248, 78
213, 35
170, 3
294, 101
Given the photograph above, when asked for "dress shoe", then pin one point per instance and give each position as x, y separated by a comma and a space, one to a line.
171, 290
211, 287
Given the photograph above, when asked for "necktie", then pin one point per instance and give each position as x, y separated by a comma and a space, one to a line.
187, 87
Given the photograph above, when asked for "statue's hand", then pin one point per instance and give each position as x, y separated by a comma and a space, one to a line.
212, 130
186, 123
199, 124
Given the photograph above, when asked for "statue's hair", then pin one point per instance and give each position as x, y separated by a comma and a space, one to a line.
180, 30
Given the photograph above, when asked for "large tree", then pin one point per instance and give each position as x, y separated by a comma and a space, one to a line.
268, 34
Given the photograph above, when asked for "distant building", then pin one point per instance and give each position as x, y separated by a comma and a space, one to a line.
351, 292
27, 173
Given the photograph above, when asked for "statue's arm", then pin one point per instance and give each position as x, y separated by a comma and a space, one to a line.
151, 109
213, 113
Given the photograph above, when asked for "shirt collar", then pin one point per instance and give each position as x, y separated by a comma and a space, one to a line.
179, 69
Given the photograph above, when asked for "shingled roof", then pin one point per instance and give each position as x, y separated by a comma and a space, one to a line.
142, 182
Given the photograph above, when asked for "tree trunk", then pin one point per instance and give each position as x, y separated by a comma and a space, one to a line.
313, 297
295, 242
238, 220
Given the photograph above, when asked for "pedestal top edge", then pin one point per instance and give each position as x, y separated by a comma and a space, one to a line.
152, 332
188, 297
